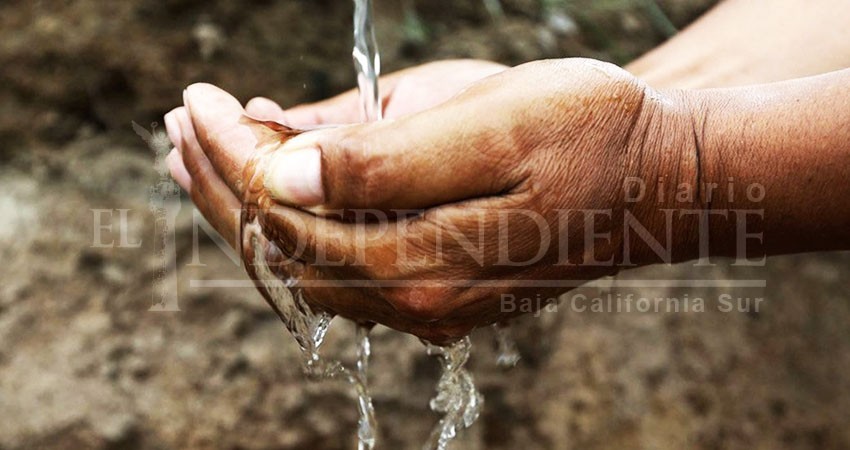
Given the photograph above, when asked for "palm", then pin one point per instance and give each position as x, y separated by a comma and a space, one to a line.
404, 92
426, 86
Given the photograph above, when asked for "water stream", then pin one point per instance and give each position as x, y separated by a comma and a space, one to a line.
457, 398
367, 61
309, 328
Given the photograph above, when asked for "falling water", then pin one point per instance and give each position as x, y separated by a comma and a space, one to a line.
367, 61
367, 64
457, 397
309, 328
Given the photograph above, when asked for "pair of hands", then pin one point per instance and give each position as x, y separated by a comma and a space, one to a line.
482, 181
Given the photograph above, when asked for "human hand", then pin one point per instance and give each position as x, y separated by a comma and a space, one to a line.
423, 222
404, 92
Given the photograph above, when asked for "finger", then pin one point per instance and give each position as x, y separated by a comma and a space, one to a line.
173, 129
215, 117
210, 194
346, 264
265, 109
387, 267
453, 152
178, 170
386, 258
327, 240
342, 109
338, 110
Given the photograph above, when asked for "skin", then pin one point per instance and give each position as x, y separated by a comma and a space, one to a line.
745, 42
490, 176
533, 155
557, 135
404, 92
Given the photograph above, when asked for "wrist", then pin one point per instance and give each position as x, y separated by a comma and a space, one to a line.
663, 191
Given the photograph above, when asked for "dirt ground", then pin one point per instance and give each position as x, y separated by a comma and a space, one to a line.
85, 364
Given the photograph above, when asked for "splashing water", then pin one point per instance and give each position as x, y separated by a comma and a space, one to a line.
457, 397
309, 328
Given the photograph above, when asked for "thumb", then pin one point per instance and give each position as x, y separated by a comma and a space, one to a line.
446, 154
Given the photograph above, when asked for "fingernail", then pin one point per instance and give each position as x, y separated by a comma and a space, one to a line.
295, 177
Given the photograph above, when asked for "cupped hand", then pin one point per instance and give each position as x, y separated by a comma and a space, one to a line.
404, 92
424, 222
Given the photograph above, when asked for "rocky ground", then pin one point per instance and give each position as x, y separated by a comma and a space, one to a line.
84, 364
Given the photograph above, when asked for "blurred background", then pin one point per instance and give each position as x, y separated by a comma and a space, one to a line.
85, 364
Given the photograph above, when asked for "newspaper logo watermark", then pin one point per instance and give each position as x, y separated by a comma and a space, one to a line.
570, 239
626, 303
